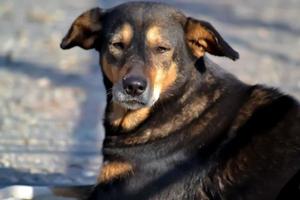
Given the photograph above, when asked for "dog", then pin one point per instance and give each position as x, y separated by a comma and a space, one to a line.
177, 125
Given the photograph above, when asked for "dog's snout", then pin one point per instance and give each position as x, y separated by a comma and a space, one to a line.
134, 86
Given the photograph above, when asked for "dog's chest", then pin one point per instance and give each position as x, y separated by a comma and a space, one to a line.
162, 179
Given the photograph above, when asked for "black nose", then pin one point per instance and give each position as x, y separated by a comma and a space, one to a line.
134, 86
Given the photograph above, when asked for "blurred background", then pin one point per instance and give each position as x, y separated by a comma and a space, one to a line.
52, 101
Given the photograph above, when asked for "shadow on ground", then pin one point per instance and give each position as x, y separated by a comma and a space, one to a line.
90, 118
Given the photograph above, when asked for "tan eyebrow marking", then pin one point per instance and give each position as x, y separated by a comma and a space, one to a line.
125, 33
153, 35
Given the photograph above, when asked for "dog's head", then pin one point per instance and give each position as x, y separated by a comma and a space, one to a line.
144, 48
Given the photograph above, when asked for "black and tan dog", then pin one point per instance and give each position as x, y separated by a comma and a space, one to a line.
178, 126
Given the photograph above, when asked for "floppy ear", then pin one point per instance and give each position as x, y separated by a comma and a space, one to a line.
202, 37
84, 31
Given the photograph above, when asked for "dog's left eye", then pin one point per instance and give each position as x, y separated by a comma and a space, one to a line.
118, 45
161, 49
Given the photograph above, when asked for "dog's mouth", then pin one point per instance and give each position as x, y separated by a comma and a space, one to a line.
132, 104
147, 99
133, 101
128, 102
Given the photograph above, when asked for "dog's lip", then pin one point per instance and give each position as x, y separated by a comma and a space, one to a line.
133, 101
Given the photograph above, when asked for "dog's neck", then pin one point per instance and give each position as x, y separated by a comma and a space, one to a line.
120, 121
132, 127
157, 126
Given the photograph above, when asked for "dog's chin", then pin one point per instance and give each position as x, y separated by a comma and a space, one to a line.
134, 104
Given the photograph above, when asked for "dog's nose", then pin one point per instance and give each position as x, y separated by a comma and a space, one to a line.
134, 86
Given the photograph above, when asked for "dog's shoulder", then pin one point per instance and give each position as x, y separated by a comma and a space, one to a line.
271, 105
268, 109
259, 102
263, 143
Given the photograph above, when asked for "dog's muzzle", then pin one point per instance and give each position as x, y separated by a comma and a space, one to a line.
133, 93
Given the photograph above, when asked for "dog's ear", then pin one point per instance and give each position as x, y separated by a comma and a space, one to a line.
202, 37
85, 30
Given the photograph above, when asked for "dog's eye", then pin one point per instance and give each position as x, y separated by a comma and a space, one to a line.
118, 45
161, 49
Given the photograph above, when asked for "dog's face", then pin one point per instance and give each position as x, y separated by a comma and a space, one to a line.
137, 54
143, 47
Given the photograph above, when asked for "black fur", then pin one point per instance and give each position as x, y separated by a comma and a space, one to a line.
209, 136
178, 166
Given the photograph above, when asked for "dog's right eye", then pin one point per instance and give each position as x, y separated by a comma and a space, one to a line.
118, 45
162, 49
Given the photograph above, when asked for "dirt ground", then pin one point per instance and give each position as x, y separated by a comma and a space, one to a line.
51, 101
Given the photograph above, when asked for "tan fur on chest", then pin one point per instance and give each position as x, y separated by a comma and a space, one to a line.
128, 120
114, 170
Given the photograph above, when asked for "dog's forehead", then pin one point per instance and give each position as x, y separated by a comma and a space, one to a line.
144, 15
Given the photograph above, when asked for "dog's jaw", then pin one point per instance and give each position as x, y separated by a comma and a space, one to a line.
134, 103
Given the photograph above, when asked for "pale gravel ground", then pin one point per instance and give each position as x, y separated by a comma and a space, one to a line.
51, 100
